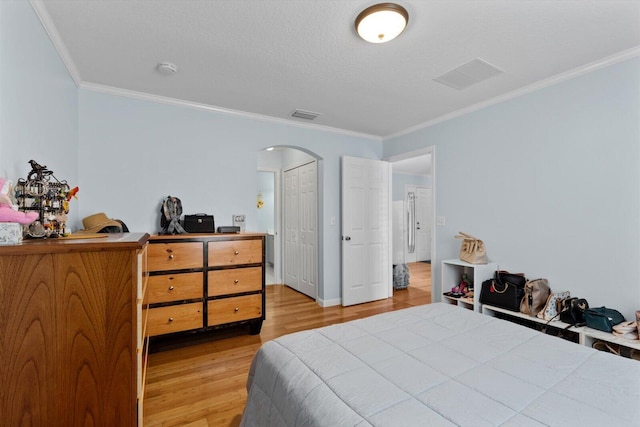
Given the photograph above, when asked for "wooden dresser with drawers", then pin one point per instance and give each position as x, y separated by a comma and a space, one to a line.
200, 282
72, 341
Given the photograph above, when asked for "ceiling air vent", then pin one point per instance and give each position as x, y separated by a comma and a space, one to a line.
302, 114
468, 74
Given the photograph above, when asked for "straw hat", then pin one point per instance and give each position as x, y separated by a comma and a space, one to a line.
96, 222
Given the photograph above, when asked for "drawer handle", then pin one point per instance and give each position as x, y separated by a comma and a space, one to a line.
171, 256
236, 252
170, 319
236, 281
236, 309
171, 288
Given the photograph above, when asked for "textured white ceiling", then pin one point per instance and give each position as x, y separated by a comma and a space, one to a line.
269, 57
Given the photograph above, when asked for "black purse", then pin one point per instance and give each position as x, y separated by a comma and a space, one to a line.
505, 290
572, 311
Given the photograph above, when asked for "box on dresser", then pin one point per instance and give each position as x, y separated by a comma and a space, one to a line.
10, 233
199, 223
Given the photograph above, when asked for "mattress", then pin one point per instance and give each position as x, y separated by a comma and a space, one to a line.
437, 365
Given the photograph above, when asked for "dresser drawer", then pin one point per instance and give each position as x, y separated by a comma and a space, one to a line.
235, 252
235, 280
234, 309
174, 287
175, 256
175, 318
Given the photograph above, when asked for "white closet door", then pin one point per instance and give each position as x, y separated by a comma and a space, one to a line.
291, 260
308, 229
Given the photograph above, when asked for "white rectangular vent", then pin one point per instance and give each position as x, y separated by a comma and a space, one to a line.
302, 114
468, 74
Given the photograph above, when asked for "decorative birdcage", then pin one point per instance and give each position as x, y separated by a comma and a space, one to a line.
42, 192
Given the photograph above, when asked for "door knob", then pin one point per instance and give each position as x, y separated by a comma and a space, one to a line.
347, 238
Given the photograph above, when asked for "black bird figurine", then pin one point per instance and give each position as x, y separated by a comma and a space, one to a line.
38, 170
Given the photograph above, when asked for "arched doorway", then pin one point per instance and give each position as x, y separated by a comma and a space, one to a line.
296, 234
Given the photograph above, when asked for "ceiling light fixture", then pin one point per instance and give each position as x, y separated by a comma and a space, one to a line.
382, 22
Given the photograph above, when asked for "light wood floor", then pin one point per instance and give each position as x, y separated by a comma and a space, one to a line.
204, 384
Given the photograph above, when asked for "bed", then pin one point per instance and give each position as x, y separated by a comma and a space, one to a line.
437, 365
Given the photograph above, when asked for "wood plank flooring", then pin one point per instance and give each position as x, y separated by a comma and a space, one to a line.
204, 384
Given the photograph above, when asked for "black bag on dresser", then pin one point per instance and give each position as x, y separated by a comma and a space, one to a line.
505, 290
199, 223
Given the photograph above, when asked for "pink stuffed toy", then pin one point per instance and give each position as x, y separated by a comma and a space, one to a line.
9, 212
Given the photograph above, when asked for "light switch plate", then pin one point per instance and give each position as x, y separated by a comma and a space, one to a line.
440, 221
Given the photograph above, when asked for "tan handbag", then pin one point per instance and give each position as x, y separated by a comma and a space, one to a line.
536, 293
472, 249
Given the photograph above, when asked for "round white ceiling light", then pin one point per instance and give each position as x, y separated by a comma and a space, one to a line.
382, 22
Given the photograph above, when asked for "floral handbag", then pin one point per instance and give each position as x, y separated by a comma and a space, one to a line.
550, 309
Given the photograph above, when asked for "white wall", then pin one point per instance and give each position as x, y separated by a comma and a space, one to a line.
550, 181
133, 153
265, 215
399, 181
293, 158
38, 101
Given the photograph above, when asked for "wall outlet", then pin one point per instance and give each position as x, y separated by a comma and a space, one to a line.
238, 221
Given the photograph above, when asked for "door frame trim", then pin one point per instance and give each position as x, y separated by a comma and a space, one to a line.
431, 149
277, 223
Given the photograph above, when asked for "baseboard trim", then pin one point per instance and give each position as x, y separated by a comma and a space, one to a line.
329, 302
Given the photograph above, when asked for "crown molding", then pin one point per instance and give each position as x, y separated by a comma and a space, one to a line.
45, 19
584, 69
182, 103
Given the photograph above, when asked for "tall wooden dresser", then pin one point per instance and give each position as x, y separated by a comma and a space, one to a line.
72, 342
200, 282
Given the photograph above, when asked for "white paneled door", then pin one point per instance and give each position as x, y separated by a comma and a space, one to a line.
308, 229
291, 228
301, 229
366, 234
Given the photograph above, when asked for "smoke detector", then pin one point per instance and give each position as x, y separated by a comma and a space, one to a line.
167, 68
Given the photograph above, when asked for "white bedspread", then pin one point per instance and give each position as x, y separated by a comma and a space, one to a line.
437, 365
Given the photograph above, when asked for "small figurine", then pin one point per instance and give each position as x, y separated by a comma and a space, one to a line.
72, 193
8, 211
